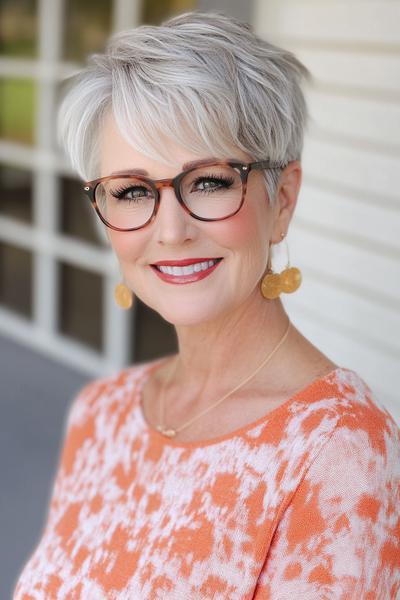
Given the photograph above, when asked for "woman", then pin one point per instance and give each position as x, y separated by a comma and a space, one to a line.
249, 464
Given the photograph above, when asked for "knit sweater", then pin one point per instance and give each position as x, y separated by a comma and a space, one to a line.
302, 503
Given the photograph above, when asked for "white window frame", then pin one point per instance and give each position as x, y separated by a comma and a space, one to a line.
41, 238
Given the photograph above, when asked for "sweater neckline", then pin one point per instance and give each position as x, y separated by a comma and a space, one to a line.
148, 368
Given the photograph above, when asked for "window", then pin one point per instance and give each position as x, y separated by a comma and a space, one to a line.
16, 279
87, 25
16, 193
77, 217
81, 305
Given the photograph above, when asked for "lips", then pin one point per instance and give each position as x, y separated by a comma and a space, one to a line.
185, 279
184, 261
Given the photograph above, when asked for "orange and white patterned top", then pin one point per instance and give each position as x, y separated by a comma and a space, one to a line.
303, 503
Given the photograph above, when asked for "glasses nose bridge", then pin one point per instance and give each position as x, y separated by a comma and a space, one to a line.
171, 182
170, 220
161, 183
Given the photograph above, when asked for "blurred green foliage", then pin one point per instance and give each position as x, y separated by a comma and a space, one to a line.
17, 108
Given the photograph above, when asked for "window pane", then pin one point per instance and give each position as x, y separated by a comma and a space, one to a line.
77, 217
16, 193
17, 98
154, 11
81, 305
18, 27
16, 279
154, 337
87, 25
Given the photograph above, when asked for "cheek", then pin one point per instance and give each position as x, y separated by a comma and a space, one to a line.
247, 230
127, 245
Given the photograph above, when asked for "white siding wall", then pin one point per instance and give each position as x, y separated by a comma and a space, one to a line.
345, 236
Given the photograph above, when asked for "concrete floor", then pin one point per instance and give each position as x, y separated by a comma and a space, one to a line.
35, 395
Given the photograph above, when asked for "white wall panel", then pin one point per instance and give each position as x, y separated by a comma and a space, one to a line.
352, 164
355, 69
353, 217
341, 21
354, 312
367, 120
345, 235
377, 368
361, 265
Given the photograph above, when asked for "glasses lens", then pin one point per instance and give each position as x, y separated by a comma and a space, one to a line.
212, 192
125, 202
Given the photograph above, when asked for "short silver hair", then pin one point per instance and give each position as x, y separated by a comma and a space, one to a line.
204, 80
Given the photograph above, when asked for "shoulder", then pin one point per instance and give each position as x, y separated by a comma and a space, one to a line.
100, 402
339, 531
353, 482
335, 413
346, 395
103, 393
363, 447
361, 411
353, 469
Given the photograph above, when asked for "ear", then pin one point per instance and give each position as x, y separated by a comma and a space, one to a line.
286, 199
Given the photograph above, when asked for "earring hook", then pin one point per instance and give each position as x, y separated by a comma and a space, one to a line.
283, 236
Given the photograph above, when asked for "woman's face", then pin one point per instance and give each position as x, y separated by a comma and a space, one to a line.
241, 240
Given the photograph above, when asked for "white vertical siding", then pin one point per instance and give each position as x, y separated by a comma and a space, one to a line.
345, 235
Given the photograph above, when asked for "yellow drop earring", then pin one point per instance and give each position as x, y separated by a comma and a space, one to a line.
123, 296
288, 281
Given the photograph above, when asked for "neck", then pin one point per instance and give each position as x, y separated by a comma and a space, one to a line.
215, 355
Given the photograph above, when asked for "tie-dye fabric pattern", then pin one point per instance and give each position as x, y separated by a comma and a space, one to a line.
303, 503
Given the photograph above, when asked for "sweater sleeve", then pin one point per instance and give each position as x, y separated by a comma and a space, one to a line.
77, 428
339, 536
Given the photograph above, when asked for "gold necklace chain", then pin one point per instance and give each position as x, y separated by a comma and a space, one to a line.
169, 432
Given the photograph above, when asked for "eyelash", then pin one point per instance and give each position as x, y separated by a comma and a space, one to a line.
118, 193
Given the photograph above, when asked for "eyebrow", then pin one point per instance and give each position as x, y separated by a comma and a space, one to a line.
130, 171
185, 166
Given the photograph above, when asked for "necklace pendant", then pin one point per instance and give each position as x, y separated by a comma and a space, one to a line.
168, 432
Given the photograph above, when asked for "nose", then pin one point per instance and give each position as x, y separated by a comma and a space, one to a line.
173, 223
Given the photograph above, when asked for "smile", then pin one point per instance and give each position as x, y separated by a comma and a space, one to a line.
187, 273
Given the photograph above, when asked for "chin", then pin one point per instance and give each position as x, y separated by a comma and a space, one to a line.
184, 314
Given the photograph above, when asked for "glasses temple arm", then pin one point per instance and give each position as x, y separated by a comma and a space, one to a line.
267, 164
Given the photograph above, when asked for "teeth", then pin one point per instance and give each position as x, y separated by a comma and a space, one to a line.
187, 269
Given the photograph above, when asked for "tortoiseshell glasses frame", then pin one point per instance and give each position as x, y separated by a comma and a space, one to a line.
175, 182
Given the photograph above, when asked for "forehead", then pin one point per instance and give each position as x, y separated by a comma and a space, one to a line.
117, 155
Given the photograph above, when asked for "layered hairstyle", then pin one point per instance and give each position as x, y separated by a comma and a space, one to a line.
204, 80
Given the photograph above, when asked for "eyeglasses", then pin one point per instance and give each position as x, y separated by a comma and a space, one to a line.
208, 190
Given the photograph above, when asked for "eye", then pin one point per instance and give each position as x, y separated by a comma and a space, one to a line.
136, 192
211, 183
